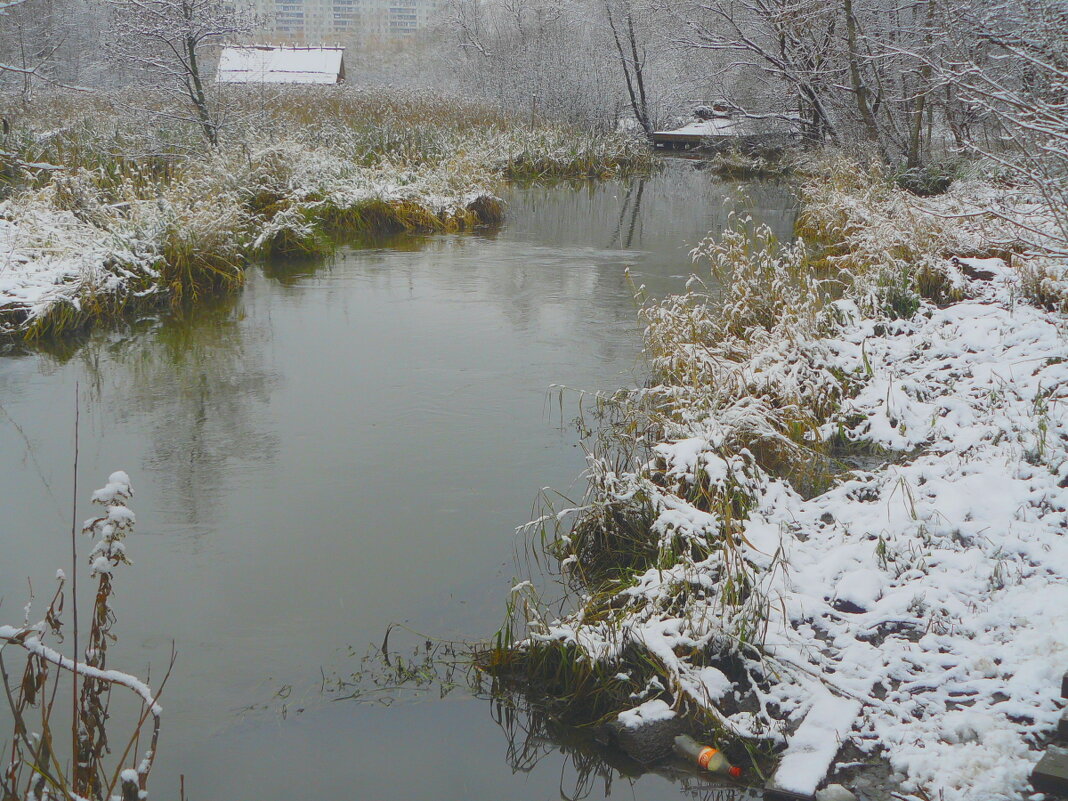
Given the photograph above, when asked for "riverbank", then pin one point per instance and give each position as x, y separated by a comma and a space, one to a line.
112, 209
836, 513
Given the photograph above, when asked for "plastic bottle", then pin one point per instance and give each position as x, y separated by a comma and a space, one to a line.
705, 756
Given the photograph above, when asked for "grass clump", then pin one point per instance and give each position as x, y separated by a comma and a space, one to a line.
667, 586
932, 178
891, 250
1044, 283
735, 163
160, 221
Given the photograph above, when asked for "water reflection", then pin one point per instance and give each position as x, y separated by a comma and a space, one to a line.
589, 765
630, 214
406, 667
342, 445
195, 380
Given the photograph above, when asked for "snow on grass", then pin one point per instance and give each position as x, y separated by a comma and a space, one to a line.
913, 609
136, 214
956, 563
69, 249
50, 257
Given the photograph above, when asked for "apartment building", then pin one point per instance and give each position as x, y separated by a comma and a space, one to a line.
314, 22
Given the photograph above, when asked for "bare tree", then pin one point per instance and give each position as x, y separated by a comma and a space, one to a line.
1013, 76
854, 71
547, 56
581, 61
789, 42
44, 41
167, 41
621, 18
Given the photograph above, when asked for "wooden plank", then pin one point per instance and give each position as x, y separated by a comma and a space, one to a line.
778, 794
1062, 725
811, 749
687, 139
1051, 773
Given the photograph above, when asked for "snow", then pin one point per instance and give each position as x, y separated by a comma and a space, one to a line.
719, 126
860, 587
731, 126
649, 712
117, 489
815, 743
29, 639
714, 682
952, 555
306, 65
835, 792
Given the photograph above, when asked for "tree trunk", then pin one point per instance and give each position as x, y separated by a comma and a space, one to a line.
637, 95
196, 94
915, 142
860, 89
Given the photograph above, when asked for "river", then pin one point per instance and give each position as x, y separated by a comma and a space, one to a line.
344, 445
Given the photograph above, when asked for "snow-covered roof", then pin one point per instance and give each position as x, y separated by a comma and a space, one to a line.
261, 64
718, 126
732, 126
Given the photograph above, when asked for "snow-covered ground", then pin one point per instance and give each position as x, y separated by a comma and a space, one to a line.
915, 610
934, 590
733, 126
69, 244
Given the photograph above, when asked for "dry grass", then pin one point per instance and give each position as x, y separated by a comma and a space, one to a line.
1044, 283
742, 392
60, 746
295, 171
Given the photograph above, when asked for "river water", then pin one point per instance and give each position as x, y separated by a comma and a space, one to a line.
344, 445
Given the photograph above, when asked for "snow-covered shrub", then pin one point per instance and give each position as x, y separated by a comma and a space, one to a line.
1044, 282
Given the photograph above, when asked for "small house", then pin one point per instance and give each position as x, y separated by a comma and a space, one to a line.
283, 64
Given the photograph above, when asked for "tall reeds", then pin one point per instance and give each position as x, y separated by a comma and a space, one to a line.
159, 221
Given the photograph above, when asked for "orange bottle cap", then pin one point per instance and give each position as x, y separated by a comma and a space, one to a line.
735, 772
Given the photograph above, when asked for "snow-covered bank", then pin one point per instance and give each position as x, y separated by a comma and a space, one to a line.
49, 259
914, 609
76, 249
130, 214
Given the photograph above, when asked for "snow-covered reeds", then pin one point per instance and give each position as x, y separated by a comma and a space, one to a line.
64, 742
1044, 282
729, 568
110, 209
657, 549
